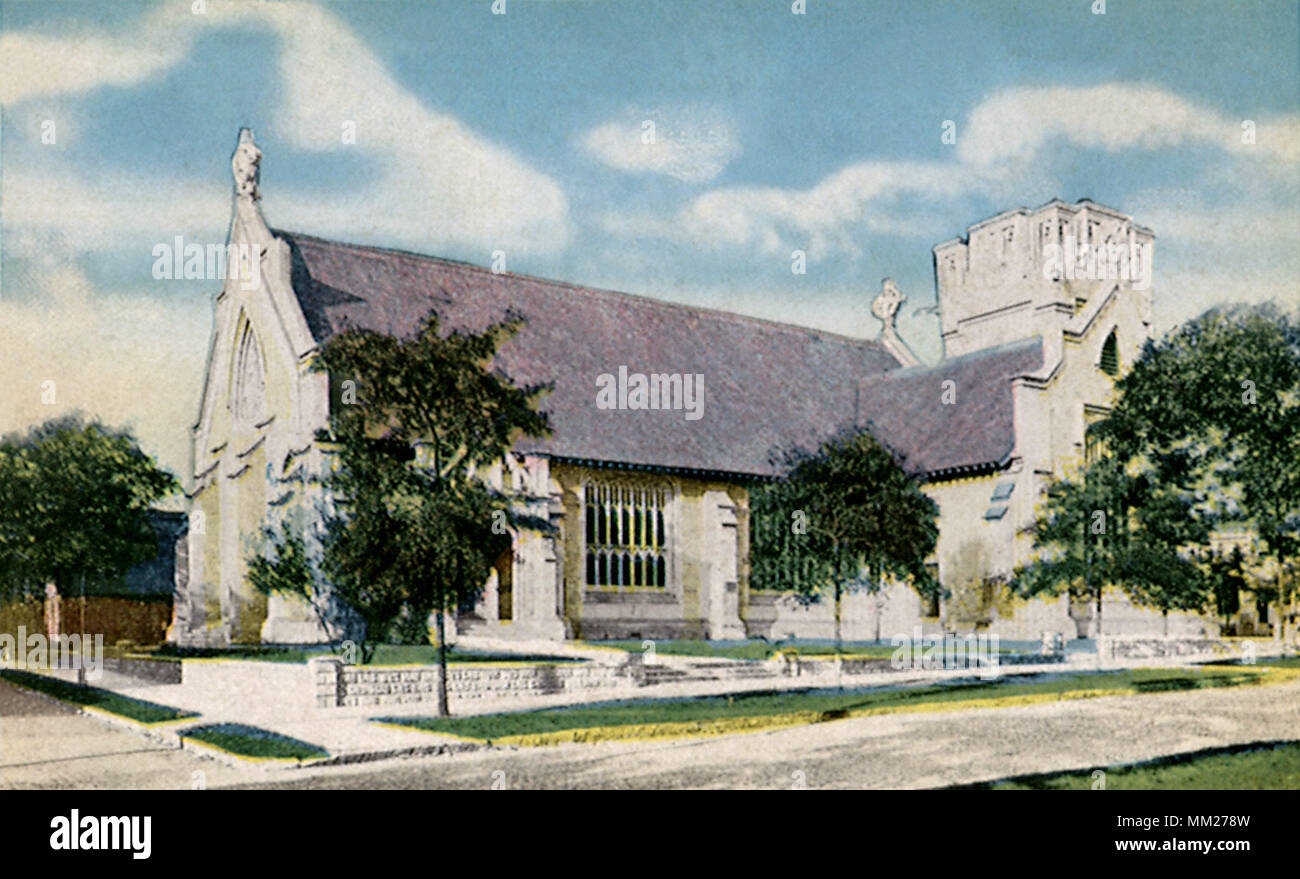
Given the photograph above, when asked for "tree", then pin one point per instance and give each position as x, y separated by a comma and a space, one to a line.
1215, 406
415, 528
74, 502
284, 567
852, 509
1114, 526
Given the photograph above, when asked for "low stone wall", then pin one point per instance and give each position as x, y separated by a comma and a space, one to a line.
1164, 648
337, 685
813, 666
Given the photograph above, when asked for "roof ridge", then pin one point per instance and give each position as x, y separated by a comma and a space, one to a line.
909, 371
765, 323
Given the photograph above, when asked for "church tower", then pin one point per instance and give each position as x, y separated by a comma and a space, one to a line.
1029, 273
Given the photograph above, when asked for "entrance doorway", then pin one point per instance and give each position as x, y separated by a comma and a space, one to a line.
505, 568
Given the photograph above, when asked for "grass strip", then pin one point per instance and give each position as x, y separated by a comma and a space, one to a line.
253, 742
758, 650
147, 713
751, 712
1255, 766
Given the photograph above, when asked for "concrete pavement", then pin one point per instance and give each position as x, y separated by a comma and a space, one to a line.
887, 752
44, 744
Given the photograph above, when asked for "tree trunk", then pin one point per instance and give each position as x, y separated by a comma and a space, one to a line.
1099, 597
876, 577
1165, 614
1283, 588
837, 617
839, 660
443, 709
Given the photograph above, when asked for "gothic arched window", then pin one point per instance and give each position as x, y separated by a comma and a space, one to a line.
1109, 362
250, 380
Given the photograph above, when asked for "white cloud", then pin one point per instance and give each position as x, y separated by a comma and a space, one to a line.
1182, 295
692, 144
132, 361
1016, 125
439, 183
1000, 151
38, 64
1245, 230
40, 205
829, 217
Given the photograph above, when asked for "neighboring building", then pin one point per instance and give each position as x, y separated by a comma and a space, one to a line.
651, 508
136, 606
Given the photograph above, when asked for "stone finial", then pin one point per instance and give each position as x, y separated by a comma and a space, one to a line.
885, 307
246, 165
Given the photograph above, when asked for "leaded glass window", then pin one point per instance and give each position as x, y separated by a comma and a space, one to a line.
626, 535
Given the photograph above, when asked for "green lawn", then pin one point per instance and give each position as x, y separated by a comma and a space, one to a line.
758, 649
1259, 766
385, 654
251, 741
825, 704
93, 697
1268, 662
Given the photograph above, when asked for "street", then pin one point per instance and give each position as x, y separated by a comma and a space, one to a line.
45, 745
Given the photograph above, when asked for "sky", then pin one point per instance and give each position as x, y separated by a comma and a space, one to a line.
447, 129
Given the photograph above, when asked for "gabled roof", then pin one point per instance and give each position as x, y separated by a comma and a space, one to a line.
906, 410
768, 386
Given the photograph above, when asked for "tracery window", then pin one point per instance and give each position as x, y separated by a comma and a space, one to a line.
250, 380
627, 537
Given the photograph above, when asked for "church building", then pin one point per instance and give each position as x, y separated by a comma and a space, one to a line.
1040, 311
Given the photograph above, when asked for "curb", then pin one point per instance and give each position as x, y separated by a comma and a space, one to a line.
352, 757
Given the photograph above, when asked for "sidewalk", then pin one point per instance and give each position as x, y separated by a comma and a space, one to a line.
348, 735
355, 738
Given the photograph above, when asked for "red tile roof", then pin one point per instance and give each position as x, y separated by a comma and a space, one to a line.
768, 386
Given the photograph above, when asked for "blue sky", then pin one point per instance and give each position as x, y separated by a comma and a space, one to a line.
523, 132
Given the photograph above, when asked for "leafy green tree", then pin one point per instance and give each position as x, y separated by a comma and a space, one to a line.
74, 502
1069, 533
1228, 580
1113, 526
855, 517
416, 529
282, 566
1214, 407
